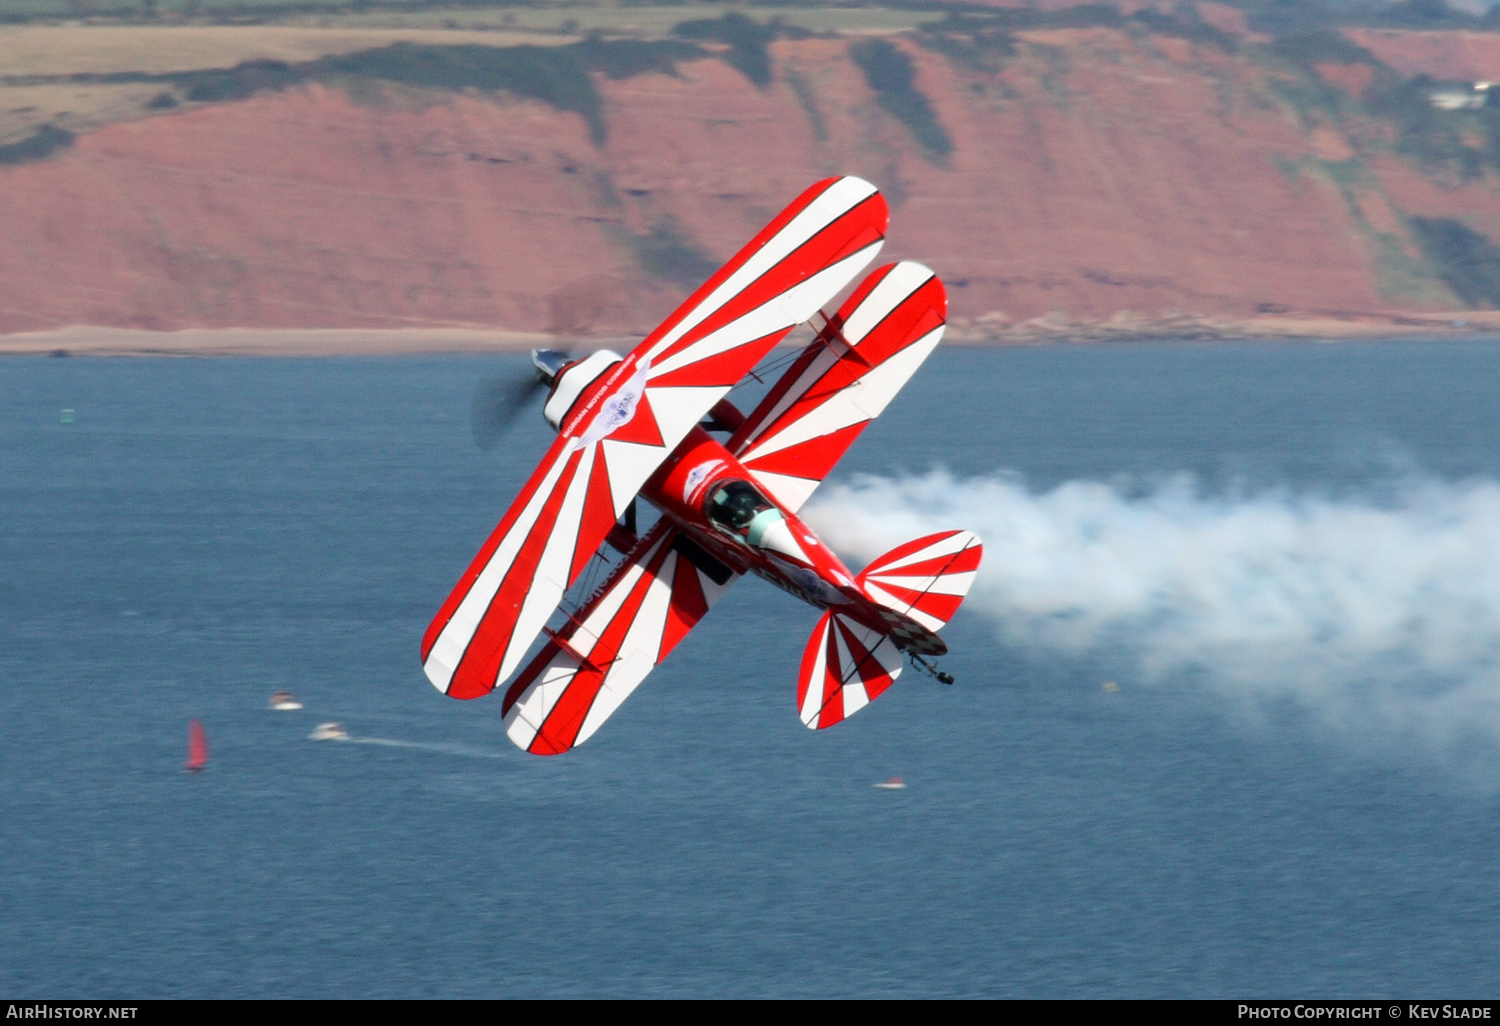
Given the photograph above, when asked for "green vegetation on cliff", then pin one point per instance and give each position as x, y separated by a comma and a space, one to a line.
982, 39
889, 72
666, 253
1434, 138
749, 42
1458, 142
1467, 261
38, 146
557, 75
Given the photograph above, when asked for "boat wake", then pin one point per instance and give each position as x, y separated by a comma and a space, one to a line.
429, 746
335, 732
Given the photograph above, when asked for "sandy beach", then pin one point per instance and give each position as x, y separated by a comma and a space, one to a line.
106, 341
96, 341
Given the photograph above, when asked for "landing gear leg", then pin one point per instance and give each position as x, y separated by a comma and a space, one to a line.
932, 670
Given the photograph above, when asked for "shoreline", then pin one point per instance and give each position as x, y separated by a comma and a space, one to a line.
103, 341
1048, 330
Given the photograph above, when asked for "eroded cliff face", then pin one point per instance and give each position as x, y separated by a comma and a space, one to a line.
1094, 175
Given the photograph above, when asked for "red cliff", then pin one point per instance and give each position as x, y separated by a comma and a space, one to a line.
1098, 174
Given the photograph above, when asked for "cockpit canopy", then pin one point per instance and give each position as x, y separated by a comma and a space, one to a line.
738, 508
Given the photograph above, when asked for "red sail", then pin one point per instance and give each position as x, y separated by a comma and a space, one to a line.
197, 747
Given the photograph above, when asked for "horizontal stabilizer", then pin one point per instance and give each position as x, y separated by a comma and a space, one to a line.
845, 667
925, 580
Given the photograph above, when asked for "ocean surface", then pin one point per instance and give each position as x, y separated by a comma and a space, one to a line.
1171, 764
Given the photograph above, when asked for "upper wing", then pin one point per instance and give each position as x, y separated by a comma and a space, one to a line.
636, 618
620, 433
842, 381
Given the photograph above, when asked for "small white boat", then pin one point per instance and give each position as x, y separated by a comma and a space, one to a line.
284, 701
893, 784
329, 732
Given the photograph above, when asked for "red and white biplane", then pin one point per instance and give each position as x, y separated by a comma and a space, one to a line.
643, 426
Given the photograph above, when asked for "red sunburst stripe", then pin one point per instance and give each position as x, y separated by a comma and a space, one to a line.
911, 318
941, 606
861, 226
937, 604
809, 660
963, 561
769, 232
651, 544
560, 729
752, 425
642, 429
857, 297
814, 458
916, 314
461, 589
833, 682
723, 370
857, 652
477, 669
884, 342
861, 665
902, 551
872, 210
908, 595
872, 673
688, 606
865, 666
598, 514
564, 719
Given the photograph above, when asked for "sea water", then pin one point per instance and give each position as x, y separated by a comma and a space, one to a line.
1309, 814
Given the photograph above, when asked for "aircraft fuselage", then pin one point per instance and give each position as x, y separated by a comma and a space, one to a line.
707, 492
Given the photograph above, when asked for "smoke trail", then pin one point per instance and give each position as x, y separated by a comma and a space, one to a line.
1383, 617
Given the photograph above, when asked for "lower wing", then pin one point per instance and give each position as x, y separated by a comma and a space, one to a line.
588, 668
516, 581
843, 380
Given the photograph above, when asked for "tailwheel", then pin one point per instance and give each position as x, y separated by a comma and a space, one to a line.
931, 669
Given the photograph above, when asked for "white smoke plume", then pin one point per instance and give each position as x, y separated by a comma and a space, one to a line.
1380, 616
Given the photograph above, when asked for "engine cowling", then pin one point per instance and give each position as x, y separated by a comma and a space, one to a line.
569, 380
